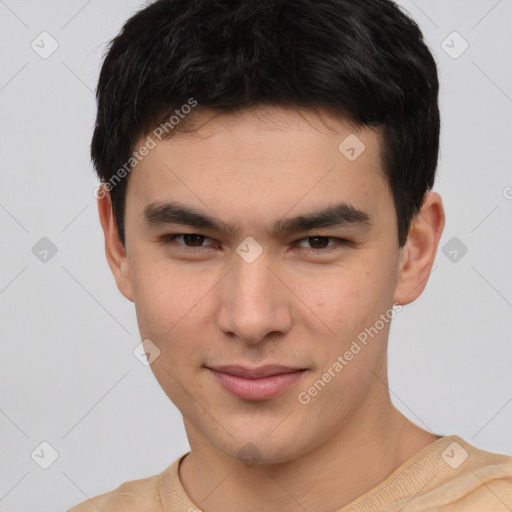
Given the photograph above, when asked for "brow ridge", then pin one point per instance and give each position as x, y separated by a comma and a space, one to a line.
173, 212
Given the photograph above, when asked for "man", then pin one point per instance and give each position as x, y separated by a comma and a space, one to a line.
267, 205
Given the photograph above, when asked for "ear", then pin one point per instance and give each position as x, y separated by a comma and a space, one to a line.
419, 252
114, 249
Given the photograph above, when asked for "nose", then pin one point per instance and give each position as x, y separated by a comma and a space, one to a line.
254, 302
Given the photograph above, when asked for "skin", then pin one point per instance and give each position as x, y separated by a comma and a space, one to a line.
293, 305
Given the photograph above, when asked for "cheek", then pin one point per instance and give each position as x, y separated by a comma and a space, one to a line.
175, 306
164, 297
350, 299
171, 313
345, 292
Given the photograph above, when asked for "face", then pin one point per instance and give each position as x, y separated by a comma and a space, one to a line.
251, 288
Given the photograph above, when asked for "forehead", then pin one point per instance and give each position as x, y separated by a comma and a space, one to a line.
263, 161
303, 130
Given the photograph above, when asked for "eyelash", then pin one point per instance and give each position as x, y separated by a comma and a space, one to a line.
168, 239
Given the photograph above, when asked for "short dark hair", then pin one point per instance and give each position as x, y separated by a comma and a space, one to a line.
363, 59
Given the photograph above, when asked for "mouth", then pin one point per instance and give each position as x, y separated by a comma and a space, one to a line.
256, 384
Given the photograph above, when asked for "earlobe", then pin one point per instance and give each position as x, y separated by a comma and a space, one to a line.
114, 249
418, 255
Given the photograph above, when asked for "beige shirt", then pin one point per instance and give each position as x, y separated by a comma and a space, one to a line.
449, 475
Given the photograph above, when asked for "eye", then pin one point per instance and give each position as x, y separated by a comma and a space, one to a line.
320, 243
187, 240
196, 241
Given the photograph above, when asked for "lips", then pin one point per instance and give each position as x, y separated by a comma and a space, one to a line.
256, 384
255, 373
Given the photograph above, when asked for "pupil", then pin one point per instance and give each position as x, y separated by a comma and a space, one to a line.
321, 238
198, 238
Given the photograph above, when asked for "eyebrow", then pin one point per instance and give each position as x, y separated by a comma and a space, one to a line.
339, 215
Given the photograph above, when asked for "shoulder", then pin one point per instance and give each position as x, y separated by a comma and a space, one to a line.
478, 479
492, 476
134, 495
487, 465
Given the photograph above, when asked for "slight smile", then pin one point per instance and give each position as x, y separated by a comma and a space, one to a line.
257, 384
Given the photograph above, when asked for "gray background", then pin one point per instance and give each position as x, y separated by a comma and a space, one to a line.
68, 374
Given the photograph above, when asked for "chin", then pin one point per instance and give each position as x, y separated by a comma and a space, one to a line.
260, 450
